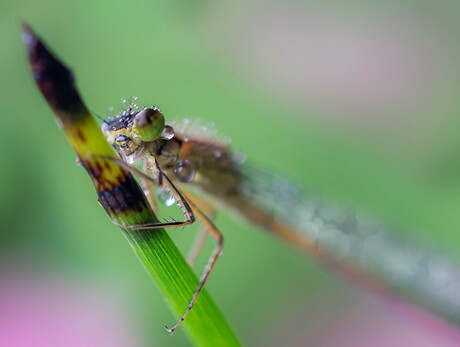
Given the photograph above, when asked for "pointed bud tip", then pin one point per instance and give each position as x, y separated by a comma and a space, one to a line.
28, 36
52, 77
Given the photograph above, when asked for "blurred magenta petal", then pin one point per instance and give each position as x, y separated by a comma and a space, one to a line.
52, 312
346, 321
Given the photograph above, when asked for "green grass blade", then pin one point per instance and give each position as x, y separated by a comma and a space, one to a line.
124, 200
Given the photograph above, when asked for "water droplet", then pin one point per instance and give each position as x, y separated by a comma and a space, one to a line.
239, 157
333, 214
333, 242
168, 132
131, 159
311, 230
184, 171
170, 201
105, 128
217, 153
165, 197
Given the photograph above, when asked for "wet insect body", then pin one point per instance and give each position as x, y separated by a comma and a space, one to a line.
342, 239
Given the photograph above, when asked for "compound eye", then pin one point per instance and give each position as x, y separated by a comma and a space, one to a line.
148, 124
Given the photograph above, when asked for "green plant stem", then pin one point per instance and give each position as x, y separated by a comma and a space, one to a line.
124, 200
167, 267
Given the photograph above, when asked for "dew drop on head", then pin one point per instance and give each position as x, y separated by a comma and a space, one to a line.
168, 132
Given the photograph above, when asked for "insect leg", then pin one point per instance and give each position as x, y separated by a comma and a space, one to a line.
189, 216
199, 242
197, 246
148, 190
212, 229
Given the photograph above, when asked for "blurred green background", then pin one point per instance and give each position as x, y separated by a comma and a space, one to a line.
359, 101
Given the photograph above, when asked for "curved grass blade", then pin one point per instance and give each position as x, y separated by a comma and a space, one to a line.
124, 201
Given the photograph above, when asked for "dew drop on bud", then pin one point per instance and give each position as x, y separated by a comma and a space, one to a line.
105, 128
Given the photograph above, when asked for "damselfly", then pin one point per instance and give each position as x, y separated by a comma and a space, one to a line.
180, 161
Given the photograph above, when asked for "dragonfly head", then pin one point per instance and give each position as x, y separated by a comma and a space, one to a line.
130, 131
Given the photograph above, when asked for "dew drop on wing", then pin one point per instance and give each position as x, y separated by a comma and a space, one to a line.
362, 242
334, 243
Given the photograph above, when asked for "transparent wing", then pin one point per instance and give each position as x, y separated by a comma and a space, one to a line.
342, 238
345, 236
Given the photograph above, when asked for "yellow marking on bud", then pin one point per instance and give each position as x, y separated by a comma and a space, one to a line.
86, 137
